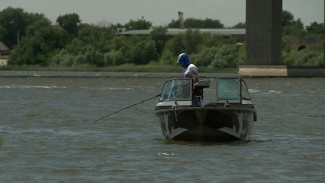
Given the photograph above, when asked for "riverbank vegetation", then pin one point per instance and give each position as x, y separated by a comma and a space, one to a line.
119, 68
73, 45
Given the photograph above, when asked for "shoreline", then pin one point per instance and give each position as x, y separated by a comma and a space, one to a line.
94, 74
244, 72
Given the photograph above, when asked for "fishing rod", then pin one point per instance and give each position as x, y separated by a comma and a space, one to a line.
124, 108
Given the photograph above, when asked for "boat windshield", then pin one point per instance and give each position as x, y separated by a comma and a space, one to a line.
231, 90
177, 89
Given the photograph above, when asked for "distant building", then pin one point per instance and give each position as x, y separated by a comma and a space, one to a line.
238, 34
4, 50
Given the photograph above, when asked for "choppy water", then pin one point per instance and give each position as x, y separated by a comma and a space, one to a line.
46, 134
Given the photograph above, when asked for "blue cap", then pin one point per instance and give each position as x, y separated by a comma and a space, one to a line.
183, 60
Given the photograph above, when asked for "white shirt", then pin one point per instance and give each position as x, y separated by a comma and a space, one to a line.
192, 72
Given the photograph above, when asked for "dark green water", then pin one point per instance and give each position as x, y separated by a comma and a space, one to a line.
46, 134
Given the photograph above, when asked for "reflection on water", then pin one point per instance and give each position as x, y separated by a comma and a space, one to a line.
46, 135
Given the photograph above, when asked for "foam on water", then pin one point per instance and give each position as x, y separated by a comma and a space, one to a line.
30, 87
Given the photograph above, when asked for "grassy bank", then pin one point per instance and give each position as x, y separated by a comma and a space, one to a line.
120, 68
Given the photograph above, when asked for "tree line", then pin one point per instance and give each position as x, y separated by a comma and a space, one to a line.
70, 42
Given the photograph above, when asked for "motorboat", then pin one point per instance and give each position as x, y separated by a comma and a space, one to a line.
184, 114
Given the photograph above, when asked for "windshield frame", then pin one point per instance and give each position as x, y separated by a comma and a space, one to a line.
171, 86
239, 89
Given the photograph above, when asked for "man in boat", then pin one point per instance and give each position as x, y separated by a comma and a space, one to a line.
190, 71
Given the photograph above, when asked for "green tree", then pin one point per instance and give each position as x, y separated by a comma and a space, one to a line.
63, 58
134, 49
206, 56
40, 44
114, 57
226, 56
290, 26
292, 30
315, 29
140, 24
287, 18
192, 39
176, 45
121, 43
240, 25
198, 23
187, 42
13, 23
160, 37
209, 41
89, 35
303, 57
69, 22
94, 57
173, 24
143, 52
167, 57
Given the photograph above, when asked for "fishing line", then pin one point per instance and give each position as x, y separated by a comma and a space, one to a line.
124, 108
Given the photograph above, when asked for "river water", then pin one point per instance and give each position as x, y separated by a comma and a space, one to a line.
48, 134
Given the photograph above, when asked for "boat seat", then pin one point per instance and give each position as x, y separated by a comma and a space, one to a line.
203, 84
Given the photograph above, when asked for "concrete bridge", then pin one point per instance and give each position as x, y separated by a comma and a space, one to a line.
264, 39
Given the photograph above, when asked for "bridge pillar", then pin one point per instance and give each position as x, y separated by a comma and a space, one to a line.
263, 32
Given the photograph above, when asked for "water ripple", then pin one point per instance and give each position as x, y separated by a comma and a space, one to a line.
45, 135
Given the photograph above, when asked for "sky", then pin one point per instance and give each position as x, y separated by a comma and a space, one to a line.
160, 12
